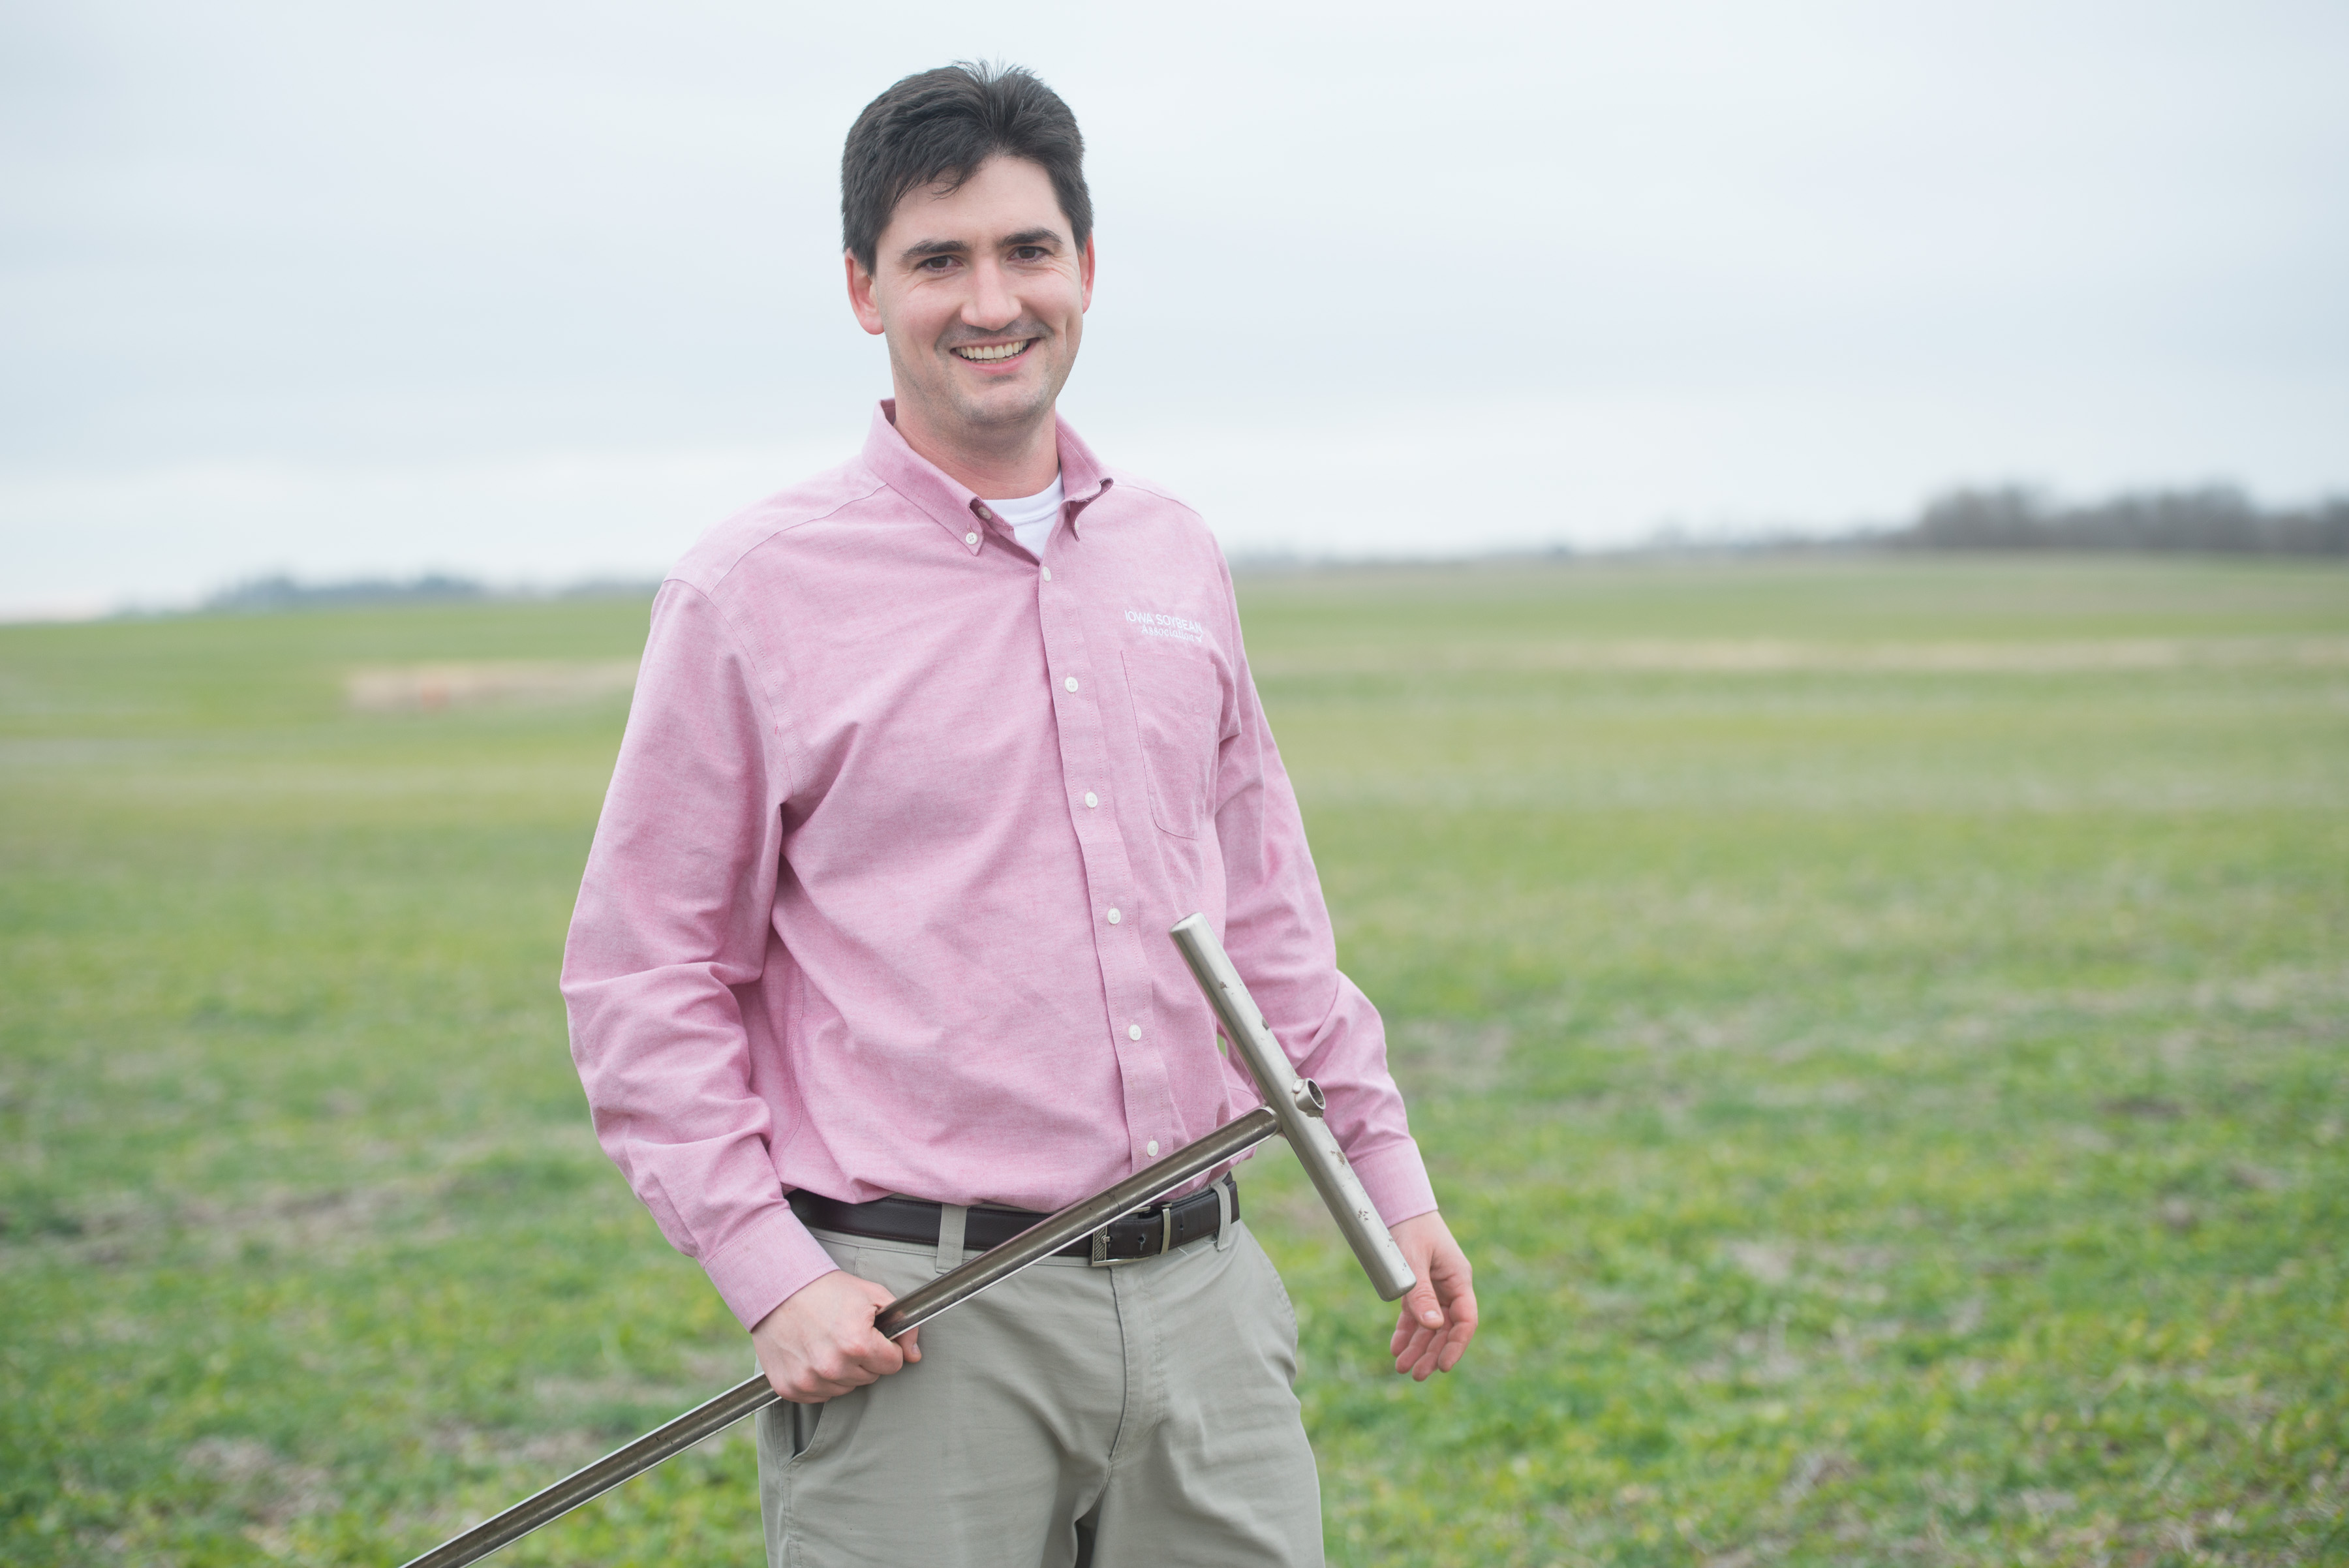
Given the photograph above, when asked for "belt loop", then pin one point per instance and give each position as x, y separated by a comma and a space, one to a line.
951, 1219
1227, 1230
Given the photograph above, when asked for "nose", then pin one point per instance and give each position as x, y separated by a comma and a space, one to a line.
990, 307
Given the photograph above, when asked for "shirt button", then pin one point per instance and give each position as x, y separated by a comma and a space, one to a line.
1151, 1149
1091, 799
970, 538
1071, 683
1133, 1032
1114, 917
982, 511
1048, 574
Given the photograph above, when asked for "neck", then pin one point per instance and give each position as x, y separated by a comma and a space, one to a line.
1001, 466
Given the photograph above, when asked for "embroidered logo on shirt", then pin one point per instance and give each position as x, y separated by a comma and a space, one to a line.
1152, 625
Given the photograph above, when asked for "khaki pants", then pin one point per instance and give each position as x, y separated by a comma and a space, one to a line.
1135, 1417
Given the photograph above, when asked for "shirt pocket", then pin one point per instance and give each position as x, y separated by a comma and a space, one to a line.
1177, 705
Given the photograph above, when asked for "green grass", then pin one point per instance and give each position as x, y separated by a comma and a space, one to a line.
1880, 1027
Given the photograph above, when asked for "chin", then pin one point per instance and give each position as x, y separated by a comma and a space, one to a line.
1013, 405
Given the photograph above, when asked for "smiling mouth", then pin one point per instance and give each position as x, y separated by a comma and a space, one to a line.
994, 353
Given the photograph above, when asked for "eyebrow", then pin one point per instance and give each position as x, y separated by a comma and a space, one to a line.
922, 248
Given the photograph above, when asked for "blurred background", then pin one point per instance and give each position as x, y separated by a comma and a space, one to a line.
534, 294
1798, 555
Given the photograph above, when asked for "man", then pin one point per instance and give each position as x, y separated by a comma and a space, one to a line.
926, 755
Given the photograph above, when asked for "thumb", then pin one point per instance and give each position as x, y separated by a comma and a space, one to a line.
878, 1295
1423, 1305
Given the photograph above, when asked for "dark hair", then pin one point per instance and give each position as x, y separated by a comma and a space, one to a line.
938, 126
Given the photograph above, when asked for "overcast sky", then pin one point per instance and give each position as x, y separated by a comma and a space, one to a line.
540, 292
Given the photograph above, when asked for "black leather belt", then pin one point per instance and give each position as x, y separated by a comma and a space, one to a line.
1161, 1227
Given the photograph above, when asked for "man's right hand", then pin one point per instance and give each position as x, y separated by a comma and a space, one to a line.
821, 1343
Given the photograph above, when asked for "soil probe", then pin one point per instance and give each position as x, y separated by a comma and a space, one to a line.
1292, 1109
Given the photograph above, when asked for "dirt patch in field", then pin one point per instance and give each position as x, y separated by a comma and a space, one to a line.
263, 1484
428, 688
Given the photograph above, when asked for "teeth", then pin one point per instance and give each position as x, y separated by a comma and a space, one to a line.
995, 350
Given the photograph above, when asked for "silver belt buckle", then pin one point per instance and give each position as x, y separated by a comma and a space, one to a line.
1101, 1260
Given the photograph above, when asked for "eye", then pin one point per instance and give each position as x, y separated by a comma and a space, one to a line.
1029, 253
934, 264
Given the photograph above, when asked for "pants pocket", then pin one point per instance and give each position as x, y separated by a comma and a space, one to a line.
801, 1424
1280, 1322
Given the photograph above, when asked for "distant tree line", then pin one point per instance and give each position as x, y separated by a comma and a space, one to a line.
260, 595
2215, 518
283, 593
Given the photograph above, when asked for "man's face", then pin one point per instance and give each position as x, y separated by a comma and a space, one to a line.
982, 295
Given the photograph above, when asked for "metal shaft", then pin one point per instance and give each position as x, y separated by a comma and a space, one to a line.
908, 1311
1033, 1245
1298, 1101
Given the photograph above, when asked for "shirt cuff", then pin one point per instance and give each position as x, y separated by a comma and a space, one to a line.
768, 1262
1396, 1179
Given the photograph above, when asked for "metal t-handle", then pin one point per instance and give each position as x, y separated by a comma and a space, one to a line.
1297, 1101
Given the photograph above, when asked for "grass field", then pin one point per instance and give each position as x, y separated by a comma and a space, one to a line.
1880, 1027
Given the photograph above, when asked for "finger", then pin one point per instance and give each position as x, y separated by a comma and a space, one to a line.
878, 1357
1438, 1347
1462, 1310
813, 1390
817, 1386
1432, 1352
1460, 1304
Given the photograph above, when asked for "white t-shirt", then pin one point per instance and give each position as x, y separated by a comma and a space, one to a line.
1031, 517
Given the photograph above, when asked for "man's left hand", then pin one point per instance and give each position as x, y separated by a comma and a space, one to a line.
1439, 1313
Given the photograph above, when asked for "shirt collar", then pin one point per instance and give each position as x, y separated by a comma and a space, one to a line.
952, 506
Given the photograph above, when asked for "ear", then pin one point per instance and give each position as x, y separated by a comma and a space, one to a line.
860, 293
1085, 272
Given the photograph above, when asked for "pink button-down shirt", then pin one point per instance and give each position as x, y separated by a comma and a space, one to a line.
879, 899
